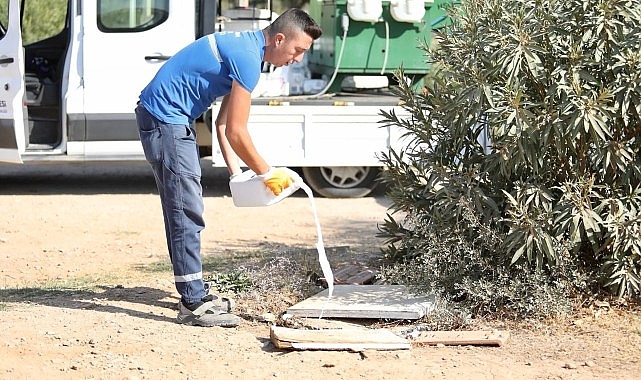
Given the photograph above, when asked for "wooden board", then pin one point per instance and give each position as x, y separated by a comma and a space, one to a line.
365, 301
462, 338
354, 339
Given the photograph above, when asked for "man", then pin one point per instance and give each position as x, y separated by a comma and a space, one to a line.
226, 64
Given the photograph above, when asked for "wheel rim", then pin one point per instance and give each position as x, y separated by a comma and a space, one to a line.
344, 177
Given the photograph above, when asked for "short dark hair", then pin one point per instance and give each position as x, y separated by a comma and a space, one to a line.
295, 19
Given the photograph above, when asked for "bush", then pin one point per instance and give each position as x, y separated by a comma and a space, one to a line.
521, 181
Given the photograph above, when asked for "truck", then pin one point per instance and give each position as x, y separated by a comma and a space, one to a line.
68, 92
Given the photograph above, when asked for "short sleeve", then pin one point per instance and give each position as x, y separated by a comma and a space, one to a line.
245, 68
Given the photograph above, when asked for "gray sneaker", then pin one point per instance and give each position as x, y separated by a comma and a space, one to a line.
206, 313
219, 302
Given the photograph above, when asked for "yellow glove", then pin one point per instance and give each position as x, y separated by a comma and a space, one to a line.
277, 179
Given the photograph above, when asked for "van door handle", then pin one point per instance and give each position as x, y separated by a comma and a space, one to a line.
158, 57
4, 61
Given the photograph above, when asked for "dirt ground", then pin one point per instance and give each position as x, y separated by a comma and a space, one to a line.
75, 303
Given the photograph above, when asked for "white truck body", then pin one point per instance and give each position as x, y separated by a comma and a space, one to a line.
71, 96
318, 135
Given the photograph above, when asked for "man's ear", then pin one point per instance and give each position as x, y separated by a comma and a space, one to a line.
279, 38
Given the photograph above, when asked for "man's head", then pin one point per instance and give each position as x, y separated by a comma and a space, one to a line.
289, 37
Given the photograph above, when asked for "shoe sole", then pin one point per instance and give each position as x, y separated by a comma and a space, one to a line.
198, 321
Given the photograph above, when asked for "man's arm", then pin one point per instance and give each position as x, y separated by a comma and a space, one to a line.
230, 157
237, 136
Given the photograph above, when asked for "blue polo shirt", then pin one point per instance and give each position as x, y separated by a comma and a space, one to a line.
191, 80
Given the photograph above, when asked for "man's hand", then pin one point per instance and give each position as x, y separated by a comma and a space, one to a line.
277, 179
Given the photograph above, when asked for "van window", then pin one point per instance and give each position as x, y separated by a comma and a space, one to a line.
4, 17
42, 20
126, 16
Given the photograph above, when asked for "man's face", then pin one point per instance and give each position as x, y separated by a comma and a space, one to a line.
289, 49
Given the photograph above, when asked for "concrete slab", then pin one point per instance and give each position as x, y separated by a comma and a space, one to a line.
365, 301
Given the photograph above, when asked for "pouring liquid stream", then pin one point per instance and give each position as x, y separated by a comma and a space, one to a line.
320, 247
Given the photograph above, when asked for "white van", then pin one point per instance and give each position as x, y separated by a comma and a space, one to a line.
68, 94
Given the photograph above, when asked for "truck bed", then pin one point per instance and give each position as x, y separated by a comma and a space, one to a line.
372, 98
334, 130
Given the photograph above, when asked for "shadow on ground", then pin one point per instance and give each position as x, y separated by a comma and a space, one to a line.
94, 299
133, 177
97, 178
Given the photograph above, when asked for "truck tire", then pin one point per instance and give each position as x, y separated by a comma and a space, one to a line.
341, 181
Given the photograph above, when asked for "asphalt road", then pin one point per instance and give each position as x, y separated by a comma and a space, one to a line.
104, 178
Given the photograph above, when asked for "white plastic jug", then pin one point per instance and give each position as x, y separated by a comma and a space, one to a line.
249, 190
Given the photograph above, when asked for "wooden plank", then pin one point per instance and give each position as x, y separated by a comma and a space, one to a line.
462, 338
365, 301
353, 339
351, 346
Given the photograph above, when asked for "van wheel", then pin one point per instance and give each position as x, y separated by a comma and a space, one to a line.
341, 181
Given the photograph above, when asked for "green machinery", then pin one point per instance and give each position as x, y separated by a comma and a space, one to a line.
375, 37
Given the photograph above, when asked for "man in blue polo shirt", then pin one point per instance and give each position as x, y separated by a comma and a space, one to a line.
227, 65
